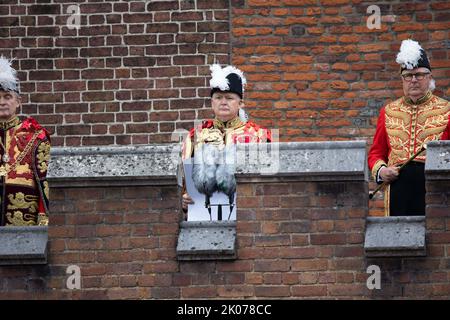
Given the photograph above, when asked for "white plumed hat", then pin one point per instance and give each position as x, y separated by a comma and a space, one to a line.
412, 56
228, 79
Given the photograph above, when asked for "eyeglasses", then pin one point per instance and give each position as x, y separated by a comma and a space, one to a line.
419, 76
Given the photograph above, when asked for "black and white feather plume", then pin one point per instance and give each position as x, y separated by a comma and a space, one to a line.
8, 76
220, 79
410, 54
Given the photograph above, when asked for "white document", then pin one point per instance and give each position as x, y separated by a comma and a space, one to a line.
198, 211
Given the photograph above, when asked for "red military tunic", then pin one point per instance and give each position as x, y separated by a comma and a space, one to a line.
24, 188
402, 129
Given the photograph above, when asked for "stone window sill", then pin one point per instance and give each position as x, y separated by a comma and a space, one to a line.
207, 240
23, 245
395, 236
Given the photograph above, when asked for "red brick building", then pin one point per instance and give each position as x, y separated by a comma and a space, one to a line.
137, 70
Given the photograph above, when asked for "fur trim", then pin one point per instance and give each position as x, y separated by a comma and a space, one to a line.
214, 169
204, 169
226, 181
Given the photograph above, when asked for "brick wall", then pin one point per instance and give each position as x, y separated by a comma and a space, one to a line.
133, 73
137, 70
123, 239
318, 73
295, 239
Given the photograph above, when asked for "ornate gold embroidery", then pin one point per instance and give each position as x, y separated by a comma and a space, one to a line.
21, 201
377, 166
42, 220
43, 156
17, 160
232, 134
17, 219
232, 124
395, 115
10, 123
212, 136
432, 115
430, 134
425, 98
409, 126
28, 216
209, 136
432, 121
23, 169
22, 181
46, 190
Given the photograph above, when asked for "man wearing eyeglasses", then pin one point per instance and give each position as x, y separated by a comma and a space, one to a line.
403, 127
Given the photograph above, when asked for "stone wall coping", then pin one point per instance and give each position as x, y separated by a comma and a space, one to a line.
437, 166
308, 161
157, 164
109, 166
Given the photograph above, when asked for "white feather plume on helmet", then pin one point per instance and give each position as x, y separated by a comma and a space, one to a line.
219, 77
412, 55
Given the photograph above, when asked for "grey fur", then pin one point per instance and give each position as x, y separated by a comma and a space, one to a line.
213, 170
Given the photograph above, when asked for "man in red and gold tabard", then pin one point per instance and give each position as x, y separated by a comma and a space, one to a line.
24, 152
403, 127
229, 126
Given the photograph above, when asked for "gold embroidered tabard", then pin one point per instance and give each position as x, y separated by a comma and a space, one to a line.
43, 156
410, 125
17, 218
21, 201
23, 168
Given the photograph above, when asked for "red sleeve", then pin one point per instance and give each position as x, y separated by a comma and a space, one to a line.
446, 134
380, 146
